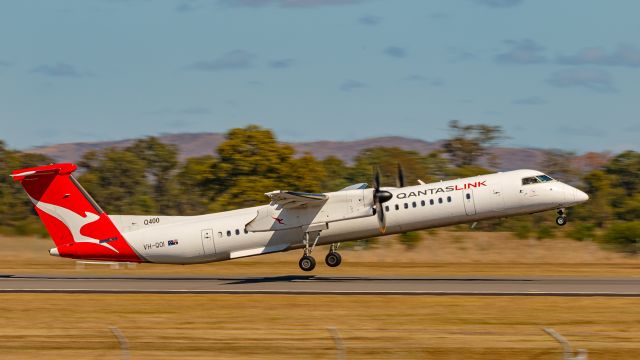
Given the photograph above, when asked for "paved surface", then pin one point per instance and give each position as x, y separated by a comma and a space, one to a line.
483, 286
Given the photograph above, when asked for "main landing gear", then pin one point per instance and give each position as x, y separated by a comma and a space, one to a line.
308, 263
333, 258
561, 220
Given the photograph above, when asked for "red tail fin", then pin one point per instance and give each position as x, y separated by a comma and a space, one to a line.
77, 225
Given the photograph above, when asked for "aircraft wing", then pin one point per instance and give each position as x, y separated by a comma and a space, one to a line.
294, 199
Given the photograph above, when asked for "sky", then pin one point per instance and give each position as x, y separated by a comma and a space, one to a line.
553, 74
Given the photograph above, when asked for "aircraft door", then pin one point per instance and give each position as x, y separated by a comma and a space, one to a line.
208, 244
497, 199
469, 201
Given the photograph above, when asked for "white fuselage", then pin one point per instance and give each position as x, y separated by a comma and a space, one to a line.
222, 236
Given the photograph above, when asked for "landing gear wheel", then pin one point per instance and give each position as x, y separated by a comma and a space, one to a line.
561, 220
307, 263
333, 259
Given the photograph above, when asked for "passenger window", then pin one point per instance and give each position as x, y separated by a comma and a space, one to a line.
422, 203
386, 208
237, 232
439, 200
246, 231
448, 198
397, 207
431, 202
228, 232
406, 205
468, 196
414, 204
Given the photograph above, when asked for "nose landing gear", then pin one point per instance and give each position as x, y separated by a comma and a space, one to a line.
561, 220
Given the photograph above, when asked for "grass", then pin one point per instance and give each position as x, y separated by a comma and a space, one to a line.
441, 253
295, 327
74, 326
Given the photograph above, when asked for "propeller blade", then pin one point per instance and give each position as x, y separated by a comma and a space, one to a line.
400, 177
382, 224
376, 180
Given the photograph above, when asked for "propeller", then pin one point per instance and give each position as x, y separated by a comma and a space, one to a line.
380, 197
400, 177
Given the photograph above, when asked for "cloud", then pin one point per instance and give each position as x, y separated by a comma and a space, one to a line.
594, 79
58, 70
435, 82
350, 85
456, 55
396, 52
196, 110
531, 100
233, 60
525, 51
499, 3
289, 3
624, 55
370, 20
281, 63
185, 7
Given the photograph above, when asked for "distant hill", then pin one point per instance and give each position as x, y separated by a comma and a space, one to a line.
198, 144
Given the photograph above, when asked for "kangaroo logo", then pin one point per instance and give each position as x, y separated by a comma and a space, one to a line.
73, 221
278, 220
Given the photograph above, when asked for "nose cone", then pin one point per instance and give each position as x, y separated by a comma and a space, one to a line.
580, 196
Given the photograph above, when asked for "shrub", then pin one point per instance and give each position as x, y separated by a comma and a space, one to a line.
582, 231
544, 232
624, 236
410, 240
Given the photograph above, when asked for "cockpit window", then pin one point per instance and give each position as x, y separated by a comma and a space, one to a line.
545, 178
530, 180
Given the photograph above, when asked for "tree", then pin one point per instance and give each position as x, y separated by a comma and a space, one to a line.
16, 210
335, 171
557, 164
387, 159
252, 162
469, 143
117, 180
192, 179
626, 168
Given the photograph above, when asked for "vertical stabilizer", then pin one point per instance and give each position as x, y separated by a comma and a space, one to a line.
75, 222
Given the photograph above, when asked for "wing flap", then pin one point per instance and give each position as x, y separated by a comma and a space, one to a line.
293, 199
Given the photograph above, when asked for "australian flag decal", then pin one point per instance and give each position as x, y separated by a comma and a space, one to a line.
172, 242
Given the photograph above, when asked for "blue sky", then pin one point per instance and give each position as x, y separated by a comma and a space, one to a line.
554, 74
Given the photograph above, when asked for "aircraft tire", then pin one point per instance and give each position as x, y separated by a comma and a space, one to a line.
333, 259
307, 263
561, 220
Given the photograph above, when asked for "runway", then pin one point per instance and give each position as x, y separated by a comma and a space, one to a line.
312, 285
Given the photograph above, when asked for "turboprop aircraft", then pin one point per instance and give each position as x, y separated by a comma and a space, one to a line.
292, 220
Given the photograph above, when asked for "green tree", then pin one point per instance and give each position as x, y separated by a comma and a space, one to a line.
469, 143
16, 210
335, 171
192, 179
624, 236
252, 162
557, 164
117, 180
386, 159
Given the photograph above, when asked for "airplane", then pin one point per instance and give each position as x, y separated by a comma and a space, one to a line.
292, 220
